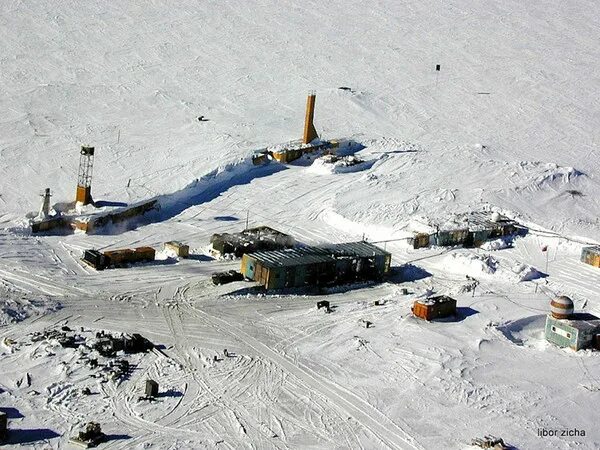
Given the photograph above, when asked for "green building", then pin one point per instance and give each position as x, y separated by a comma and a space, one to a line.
317, 266
579, 331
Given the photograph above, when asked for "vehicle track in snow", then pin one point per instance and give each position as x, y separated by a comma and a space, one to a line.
387, 431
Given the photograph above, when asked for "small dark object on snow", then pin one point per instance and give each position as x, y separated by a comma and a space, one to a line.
108, 345
67, 341
490, 442
91, 437
93, 363
324, 304
574, 193
225, 352
151, 389
86, 391
345, 88
116, 370
226, 277
65, 328
365, 323
202, 119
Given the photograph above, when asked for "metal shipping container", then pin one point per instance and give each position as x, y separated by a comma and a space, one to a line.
434, 307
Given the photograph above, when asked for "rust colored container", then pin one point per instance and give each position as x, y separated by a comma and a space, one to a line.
144, 254
117, 257
434, 307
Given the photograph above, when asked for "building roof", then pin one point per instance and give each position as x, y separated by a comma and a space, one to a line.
430, 301
314, 255
261, 232
479, 221
592, 249
361, 248
580, 321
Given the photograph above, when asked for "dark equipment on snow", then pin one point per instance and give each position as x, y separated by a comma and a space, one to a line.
226, 277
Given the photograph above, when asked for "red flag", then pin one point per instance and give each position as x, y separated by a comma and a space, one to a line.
544, 248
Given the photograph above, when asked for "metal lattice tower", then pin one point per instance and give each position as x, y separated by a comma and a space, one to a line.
84, 176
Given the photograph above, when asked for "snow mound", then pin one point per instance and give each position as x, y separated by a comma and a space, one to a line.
528, 331
330, 164
485, 266
548, 175
555, 172
497, 244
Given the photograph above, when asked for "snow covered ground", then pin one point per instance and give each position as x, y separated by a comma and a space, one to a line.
509, 124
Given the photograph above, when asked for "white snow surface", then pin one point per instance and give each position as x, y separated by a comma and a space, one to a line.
509, 125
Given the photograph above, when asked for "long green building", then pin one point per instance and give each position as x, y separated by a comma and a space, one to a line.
317, 266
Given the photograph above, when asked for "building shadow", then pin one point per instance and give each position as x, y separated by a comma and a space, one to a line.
103, 203
407, 273
202, 258
462, 312
392, 152
306, 290
28, 436
199, 191
117, 437
226, 218
11, 413
170, 393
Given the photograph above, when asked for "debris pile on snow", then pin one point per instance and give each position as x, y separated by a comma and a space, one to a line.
491, 442
543, 175
91, 437
487, 266
328, 164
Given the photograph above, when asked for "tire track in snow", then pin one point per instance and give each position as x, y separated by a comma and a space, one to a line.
374, 420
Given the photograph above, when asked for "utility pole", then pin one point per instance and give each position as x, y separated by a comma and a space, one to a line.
247, 218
